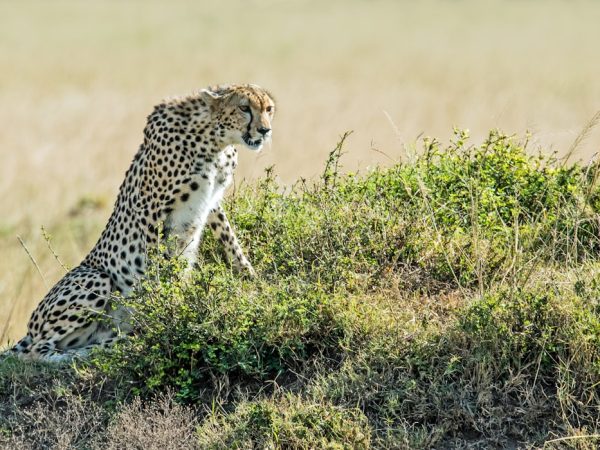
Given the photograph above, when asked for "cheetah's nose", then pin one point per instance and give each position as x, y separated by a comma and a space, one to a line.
263, 130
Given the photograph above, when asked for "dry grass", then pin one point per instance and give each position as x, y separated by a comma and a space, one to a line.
64, 424
156, 425
78, 80
60, 410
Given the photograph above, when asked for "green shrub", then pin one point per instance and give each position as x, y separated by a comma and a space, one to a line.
215, 324
456, 214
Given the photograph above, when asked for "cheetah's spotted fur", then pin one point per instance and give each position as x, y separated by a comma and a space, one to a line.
177, 179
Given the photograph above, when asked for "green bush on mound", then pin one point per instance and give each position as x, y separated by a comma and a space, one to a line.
445, 301
214, 324
452, 215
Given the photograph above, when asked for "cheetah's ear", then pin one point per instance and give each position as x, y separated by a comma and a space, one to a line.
212, 96
209, 95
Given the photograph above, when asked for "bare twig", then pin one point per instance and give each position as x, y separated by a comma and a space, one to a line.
12, 308
32, 260
47, 239
375, 149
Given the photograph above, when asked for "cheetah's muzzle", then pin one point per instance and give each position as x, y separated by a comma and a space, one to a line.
253, 144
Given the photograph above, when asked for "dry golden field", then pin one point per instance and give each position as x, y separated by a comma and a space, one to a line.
77, 80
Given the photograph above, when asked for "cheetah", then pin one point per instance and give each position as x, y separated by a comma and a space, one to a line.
173, 188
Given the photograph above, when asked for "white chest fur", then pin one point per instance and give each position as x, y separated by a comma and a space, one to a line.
189, 216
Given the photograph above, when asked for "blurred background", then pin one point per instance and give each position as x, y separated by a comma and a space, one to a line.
77, 80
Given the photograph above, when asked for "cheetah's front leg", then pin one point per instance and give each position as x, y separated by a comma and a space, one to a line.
223, 232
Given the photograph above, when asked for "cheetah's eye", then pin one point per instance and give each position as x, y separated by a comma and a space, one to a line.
245, 108
269, 108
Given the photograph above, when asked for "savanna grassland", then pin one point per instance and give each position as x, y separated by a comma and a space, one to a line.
412, 293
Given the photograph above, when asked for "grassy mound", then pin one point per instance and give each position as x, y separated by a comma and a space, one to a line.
448, 301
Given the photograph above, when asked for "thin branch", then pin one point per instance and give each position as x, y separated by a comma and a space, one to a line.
32, 260
47, 239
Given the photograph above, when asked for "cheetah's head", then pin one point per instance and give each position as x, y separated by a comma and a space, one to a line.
244, 113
